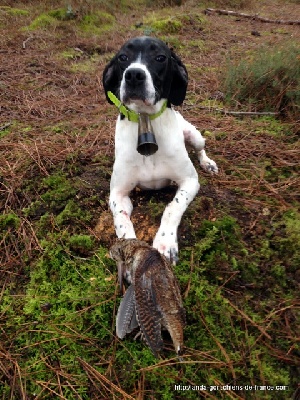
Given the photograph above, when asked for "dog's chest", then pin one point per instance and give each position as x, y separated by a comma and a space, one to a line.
153, 173
157, 170
168, 134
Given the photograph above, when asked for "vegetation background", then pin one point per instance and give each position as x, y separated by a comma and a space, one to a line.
239, 240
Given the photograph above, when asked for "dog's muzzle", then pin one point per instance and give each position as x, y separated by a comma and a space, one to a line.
146, 144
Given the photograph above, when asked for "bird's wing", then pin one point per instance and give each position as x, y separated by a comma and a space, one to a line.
148, 315
126, 316
169, 303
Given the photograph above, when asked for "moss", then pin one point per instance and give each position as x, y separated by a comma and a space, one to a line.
196, 43
72, 213
5, 130
62, 14
81, 243
270, 125
168, 25
52, 18
9, 220
288, 245
97, 23
69, 54
43, 21
58, 190
16, 12
85, 66
61, 300
174, 23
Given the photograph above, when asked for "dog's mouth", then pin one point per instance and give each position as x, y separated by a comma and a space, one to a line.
138, 98
140, 105
138, 101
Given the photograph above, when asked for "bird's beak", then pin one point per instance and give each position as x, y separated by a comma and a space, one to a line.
120, 274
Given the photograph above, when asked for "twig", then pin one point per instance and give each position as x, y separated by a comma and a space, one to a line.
254, 17
25, 42
186, 292
3, 127
235, 113
249, 113
103, 380
250, 320
221, 347
46, 386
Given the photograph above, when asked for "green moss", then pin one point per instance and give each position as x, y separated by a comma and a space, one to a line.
270, 125
97, 23
62, 299
72, 213
9, 220
62, 14
51, 19
43, 21
58, 190
196, 43
16, 12
81, 243
6, 129
288, 245
168, 25
85, 66
69, 54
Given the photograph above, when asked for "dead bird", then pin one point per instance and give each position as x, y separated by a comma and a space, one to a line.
153, 299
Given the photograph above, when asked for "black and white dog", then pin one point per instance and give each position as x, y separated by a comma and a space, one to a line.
145, 78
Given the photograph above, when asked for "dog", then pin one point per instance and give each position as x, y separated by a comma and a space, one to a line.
145, 78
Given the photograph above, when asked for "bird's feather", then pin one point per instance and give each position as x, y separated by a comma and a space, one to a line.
126, 316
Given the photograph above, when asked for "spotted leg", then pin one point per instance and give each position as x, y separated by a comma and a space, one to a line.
121, 208
165, 240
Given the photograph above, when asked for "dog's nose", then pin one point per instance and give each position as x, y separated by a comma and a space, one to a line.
135, 76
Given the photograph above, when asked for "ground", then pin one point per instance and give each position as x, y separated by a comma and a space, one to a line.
239, 240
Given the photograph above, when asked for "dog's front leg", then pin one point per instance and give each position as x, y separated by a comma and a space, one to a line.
194, 137
166, 238
121, 208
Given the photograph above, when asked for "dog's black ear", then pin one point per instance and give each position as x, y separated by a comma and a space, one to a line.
110, 79
179, 81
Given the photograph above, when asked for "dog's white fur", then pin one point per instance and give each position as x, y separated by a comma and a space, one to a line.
170, 163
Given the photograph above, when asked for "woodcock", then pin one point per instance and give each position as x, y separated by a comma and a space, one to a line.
153, 299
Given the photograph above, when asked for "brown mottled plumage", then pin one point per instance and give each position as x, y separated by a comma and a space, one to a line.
153, 300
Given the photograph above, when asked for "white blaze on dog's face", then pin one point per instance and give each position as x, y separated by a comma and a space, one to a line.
137, 86
143, 72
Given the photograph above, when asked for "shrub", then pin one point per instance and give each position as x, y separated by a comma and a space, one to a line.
269, 80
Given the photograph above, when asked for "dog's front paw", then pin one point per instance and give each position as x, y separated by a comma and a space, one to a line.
168, 246
207, 163
210, 166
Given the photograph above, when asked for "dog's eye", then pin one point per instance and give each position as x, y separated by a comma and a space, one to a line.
123, 57
160, 58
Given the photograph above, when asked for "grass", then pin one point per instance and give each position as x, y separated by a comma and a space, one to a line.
268, 81
239, 239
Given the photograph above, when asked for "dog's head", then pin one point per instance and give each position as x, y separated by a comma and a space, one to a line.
145, 71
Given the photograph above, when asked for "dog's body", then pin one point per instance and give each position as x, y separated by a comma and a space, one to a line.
144, 74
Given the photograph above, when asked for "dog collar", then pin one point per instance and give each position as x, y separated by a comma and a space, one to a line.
132, 115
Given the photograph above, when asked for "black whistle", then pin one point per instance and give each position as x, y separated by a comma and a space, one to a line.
146, 144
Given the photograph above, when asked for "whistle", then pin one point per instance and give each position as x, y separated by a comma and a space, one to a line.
146, 144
